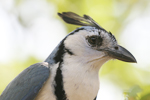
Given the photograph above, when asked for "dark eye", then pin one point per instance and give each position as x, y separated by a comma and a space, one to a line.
92, 40
95, 40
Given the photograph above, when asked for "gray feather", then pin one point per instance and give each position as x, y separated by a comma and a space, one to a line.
28, 83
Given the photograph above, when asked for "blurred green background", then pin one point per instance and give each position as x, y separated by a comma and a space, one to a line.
30, 30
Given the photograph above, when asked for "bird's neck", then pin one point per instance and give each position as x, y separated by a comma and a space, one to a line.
80, 78
74, 77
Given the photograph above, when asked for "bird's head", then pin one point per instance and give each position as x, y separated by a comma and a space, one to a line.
91, 41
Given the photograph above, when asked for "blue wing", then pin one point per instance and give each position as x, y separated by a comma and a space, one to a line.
28, 83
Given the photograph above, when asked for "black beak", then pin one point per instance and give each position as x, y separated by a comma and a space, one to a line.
121, 53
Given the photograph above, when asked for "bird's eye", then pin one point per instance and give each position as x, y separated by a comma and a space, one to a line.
92, 40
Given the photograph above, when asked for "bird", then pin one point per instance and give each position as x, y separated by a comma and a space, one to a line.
70, 72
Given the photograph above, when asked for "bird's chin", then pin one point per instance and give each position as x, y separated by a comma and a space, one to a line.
100, 60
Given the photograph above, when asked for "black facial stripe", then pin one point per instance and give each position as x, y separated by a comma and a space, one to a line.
61, 51
59, 86
59, 55
58, 80
68, 51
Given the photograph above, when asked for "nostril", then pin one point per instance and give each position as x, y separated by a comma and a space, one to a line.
116, 48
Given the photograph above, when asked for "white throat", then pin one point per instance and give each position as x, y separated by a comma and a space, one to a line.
81, 81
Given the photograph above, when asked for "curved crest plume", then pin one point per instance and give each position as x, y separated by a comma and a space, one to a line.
72, 18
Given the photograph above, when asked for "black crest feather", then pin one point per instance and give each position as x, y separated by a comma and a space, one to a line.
72, 18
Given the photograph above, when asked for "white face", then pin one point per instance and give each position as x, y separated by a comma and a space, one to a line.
89, 44
92, 41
